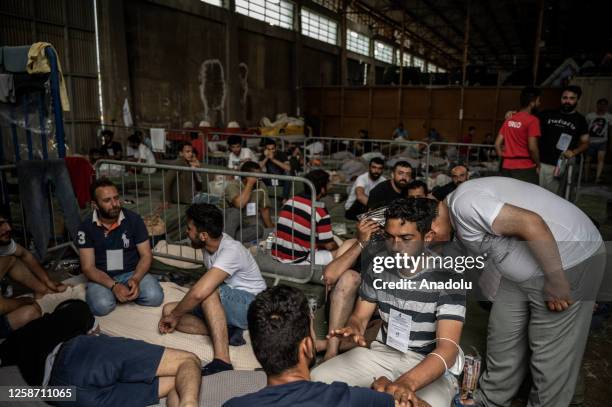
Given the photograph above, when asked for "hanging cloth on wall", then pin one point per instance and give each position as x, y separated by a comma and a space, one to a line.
38, 63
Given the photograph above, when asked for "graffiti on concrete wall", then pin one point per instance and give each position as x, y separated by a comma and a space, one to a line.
212, 91
245, 98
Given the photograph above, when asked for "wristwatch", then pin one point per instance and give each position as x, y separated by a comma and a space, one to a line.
114, 284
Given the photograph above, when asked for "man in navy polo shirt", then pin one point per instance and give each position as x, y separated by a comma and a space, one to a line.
115, 254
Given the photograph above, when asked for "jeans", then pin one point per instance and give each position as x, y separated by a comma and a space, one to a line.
35, 177
235, 304
102, 301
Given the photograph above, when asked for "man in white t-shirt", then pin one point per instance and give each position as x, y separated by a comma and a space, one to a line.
600, 123
548, 259
357, 202
238, 154
217, 304
142, 153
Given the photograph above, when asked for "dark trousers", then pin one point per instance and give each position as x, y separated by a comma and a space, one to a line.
35, 178
527, 175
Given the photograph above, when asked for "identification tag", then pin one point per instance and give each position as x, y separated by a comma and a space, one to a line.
398, 330
251, 209
564, 142
114, 260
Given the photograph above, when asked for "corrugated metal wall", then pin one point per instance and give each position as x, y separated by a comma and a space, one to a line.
69, 26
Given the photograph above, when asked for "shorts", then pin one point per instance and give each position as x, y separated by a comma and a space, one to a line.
108, 371
595, 148
235, 304
5, 327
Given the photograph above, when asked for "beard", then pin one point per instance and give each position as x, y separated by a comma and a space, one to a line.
375, 176
197, 244
567, 107
401, 184
5, 239
112, 214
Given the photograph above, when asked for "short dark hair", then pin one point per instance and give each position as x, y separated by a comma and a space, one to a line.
206, 218
250, 166
184, 144
377, 160
602, 100
402, 164
279, 319
416, 184
574, 89
267, 141
107, 132
471, 128
421, 211
100, 183
5, 212
135, 138
529, 94
234, 139
319, 178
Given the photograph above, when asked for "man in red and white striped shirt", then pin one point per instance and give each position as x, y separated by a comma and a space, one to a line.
293, 228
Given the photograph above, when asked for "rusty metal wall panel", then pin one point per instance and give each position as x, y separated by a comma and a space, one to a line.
85, 99
17, 7
81, 14
82, 59
15, 31
49, 10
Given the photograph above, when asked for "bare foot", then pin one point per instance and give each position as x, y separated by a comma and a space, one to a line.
330, 354
321, 345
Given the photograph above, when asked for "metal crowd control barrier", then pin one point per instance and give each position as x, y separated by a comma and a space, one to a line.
465, 153
325, 148
212, 140
5, 201
132, 185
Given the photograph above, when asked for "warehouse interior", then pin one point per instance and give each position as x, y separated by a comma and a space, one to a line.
285, 118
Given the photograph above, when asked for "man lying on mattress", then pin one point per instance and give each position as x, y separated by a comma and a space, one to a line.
63, 349
217, 304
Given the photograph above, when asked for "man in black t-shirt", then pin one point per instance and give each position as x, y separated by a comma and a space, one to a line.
392, 189
273, 161
565, 133
282, 334
109, 147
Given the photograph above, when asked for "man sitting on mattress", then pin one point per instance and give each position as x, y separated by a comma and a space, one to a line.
21, 266
218, 302
115, 253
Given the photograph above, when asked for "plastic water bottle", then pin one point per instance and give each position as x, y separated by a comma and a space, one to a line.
269, 243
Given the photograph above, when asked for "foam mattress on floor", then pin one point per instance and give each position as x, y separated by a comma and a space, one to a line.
138, 322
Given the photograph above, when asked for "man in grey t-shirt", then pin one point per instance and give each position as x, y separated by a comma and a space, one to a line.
545, 263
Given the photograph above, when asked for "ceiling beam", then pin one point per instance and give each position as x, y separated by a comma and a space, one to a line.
492, 50
500, 30
410, 33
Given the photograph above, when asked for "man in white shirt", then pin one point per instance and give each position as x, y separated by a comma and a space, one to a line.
357, 201
548, 259
600, 123
219, 300
238, 154
142, 153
